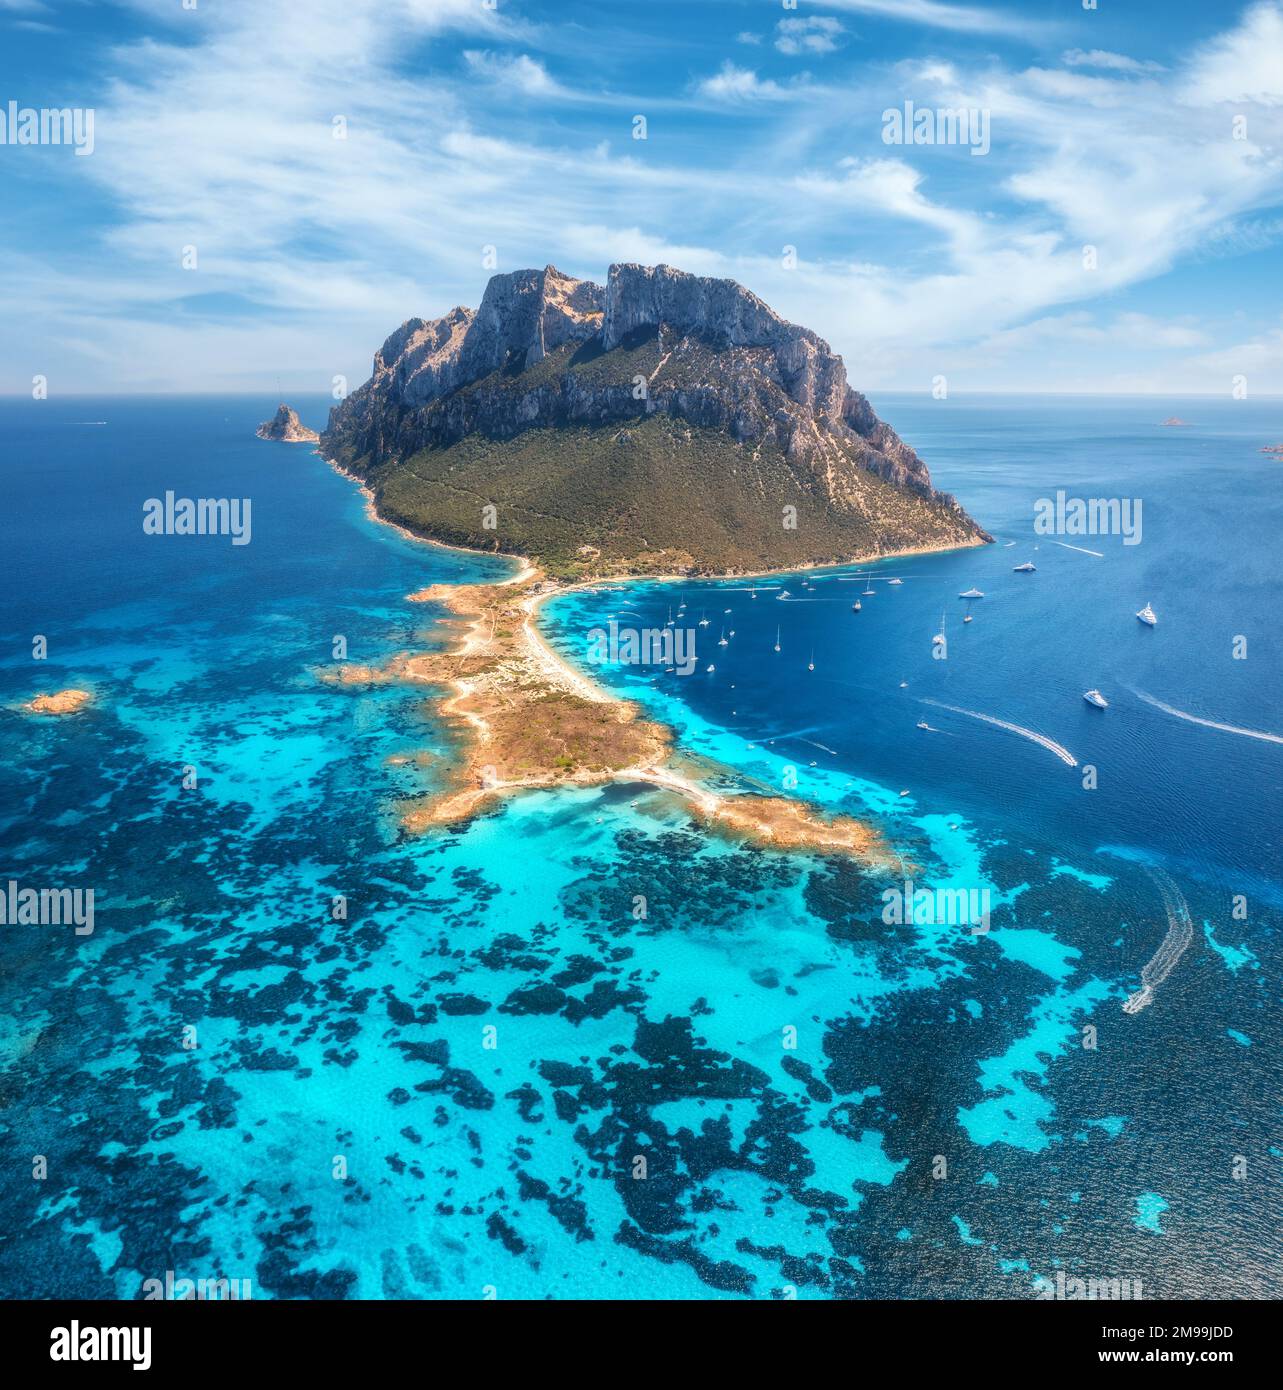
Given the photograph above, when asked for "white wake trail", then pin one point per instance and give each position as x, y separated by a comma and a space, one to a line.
1180, 932
1050, 744
1206, 723
1081, 549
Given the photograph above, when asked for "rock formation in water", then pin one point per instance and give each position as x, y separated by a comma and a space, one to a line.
286, 427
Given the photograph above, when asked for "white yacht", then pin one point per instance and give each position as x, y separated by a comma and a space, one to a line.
856, 606
1027, 568
973, 592
922, 724
1148, 616
895, 581
1094, 697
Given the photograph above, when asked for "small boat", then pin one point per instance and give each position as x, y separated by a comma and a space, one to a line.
905, 792
1027, 568
726, 610
922, 724
1148, 616
783, 593
777, 639
967, 619
895, 581
1094, 697
710, 668
732, 632
904, 685
973, 592
855, 607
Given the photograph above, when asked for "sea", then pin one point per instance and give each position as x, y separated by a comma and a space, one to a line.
582, 1047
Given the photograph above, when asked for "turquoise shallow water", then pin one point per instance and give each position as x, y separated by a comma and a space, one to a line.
494, 1076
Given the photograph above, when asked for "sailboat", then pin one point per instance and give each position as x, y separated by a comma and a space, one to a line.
721, 641
777, 639
1094, 697
810, 665
752, 593
703, 622
869, 581
939, 640
669, 623
1148, 616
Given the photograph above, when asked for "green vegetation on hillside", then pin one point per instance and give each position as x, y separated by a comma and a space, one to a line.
655, 494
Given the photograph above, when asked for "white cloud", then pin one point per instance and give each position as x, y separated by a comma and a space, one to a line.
819, 34
1114, 62
732, 83
522, 73
932, 13
1243, 65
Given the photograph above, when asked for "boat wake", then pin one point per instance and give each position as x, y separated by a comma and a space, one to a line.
1180, 932
1081, 549
1206, 723
823, 747
1050, 744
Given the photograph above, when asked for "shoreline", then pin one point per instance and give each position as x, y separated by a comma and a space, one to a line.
496, 676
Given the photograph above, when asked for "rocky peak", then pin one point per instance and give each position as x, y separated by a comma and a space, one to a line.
286, 427
525, 315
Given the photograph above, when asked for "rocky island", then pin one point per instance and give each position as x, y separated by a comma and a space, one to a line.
663, 424
286, 428
69, 701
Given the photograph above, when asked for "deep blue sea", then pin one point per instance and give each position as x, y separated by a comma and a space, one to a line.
497, 1075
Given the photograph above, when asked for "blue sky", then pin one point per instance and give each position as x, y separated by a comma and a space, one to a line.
1151, 130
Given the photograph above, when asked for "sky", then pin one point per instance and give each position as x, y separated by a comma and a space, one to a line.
275, 185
